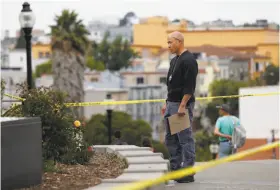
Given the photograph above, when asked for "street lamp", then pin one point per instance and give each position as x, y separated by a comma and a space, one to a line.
109, 109
27, 21
214, 149
273, 139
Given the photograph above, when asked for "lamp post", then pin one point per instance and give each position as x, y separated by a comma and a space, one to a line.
109, 110
27, 21
214, 149
273, 140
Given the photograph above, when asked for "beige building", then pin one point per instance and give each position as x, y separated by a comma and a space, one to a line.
99, 95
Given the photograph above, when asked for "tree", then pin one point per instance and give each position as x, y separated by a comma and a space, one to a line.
69, 47
92, 64
44, 68
202, 143
101, 52
271, 75
212, 111
126, 19
132, 130
225, 88
115, 55
3, 86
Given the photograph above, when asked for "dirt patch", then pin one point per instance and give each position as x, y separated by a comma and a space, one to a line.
78, 177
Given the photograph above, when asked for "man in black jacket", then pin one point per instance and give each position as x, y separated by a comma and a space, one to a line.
181, 83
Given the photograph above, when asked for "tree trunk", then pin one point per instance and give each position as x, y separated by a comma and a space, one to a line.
68, 74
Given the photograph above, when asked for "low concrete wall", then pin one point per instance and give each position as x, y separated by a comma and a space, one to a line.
21, 152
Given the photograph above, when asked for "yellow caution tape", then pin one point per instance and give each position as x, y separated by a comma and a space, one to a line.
160, 100
189, 171
148, 101
14, 97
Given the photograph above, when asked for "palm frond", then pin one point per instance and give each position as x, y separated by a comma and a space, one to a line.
69, 27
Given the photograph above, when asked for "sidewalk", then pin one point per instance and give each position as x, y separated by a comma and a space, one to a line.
239, 175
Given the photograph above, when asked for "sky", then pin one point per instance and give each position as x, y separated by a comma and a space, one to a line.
240, 11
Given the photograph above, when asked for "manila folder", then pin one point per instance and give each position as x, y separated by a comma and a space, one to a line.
178, 123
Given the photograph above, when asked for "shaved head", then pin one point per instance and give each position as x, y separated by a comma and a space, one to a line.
175, 42
177, 35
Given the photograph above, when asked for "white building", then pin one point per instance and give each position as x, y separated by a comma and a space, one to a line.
12, 77
98, 30
259, 115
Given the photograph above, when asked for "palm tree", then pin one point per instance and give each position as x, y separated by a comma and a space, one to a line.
69, 49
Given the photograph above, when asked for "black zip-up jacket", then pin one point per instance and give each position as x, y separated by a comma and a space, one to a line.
181, 77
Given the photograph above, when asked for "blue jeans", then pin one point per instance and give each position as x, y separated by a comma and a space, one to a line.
180, 146
225, 149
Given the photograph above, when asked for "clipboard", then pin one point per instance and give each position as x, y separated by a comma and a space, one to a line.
178, 123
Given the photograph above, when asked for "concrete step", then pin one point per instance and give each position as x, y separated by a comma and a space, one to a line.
146, 160
120, 148
116, 148
132, 177
145, 168
129, 153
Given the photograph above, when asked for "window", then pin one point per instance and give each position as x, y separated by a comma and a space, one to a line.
40, 54
93, 79
222, 73
140, 80
162, 80
241, 75
47, 55
257, 66
145, 52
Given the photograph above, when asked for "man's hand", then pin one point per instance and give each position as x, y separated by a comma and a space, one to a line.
182, 110
228, 137
163, 109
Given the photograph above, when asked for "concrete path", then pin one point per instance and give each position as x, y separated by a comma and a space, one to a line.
239, 175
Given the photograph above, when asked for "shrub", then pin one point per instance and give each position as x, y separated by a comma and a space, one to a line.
132, 131
3, 84
159, 147
202, 143
59, 140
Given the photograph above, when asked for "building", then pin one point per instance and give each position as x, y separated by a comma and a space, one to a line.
13, 52
99, 29
99, 95
232, 63
217, 24
260, 121
7, 44
12, 77
254, 40
228, 63
149, 112
42, 49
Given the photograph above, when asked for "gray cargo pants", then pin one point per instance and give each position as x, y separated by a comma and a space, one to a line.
181, 145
